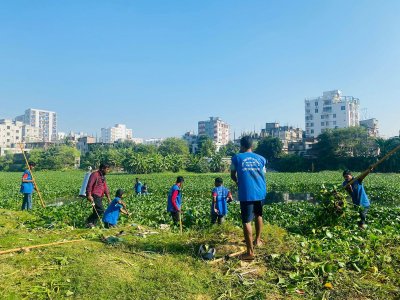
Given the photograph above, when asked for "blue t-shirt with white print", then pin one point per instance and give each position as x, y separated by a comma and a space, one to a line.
250, 169
221, 193
112, 212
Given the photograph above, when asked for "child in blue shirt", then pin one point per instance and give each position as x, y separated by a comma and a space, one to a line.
113, 210
221, 196
358, 195
138, 187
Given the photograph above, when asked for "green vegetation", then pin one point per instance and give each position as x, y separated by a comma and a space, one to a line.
303, 257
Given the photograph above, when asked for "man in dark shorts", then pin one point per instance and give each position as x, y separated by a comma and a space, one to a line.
174, 200
247, 171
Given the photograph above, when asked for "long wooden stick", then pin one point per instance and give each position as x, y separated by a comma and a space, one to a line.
226, 257
33, 178
38, 246
373, 166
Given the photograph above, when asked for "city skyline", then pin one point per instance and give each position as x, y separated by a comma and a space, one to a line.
161, 67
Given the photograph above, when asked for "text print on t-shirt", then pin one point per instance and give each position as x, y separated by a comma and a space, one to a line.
251, 164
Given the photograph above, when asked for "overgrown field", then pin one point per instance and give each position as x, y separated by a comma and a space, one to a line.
302, 257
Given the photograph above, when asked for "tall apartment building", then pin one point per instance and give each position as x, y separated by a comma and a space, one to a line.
117, 133
329, 111
43, 119
14, 132
216, 129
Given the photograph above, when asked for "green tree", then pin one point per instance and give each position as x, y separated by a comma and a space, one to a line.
229, 149
270, 148
174, 146
206, 146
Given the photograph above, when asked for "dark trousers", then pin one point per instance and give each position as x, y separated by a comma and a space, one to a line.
363, 214
176, 217
98, 207
215, 217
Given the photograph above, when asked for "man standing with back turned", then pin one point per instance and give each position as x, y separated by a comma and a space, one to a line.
247, 170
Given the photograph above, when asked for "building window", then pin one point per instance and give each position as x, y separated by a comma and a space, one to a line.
343, 108
322, 117
322, 123
316, 103
316, 111
312, 125
334, 122
334, 115
312, 130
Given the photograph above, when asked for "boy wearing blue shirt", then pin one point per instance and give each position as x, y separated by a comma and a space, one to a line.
247, 171
174, 200
358, 195
138, 187
221, 196
27, 187
113, 210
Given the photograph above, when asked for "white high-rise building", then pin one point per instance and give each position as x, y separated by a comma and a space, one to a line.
117, 133
216, 129
43, 119
14, 132
329, 111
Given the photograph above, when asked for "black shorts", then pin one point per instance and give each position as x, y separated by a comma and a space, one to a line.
250, 208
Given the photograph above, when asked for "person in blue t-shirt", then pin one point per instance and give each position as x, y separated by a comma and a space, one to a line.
138, 187
358, 195
144, 190
27, 187
247, 171
113, 210
174, 200
221, 196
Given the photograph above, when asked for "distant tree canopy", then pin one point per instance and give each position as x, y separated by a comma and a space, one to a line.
174, 146
206, 146
55, 157
269, 147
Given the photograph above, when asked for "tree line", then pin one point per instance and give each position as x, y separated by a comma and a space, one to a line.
348, 148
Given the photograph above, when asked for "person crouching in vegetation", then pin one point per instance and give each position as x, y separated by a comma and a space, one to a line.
27, 187
138, 187
174, 200
113, 210
219, 207
358, 195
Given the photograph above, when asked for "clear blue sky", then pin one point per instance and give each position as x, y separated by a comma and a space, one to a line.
161, 66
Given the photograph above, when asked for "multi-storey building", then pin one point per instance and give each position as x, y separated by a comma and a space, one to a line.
117, 133
14, 132
329, 111
191, 139
43, 119
216, 129
287, 134
372, 125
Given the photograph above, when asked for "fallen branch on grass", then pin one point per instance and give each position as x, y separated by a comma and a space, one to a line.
26, 249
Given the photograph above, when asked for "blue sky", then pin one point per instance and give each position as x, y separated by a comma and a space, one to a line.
161, 66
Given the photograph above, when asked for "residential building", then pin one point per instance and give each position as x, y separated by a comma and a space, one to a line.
118, 133
329, 111
287, 134
216, 129
191, 139
372, 125
84, 142
14, 132
43, 119
153, 141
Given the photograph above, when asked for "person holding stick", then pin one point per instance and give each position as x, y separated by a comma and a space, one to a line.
114, 209
95, 191
27, 187
247, 171
174, 200
358, 195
